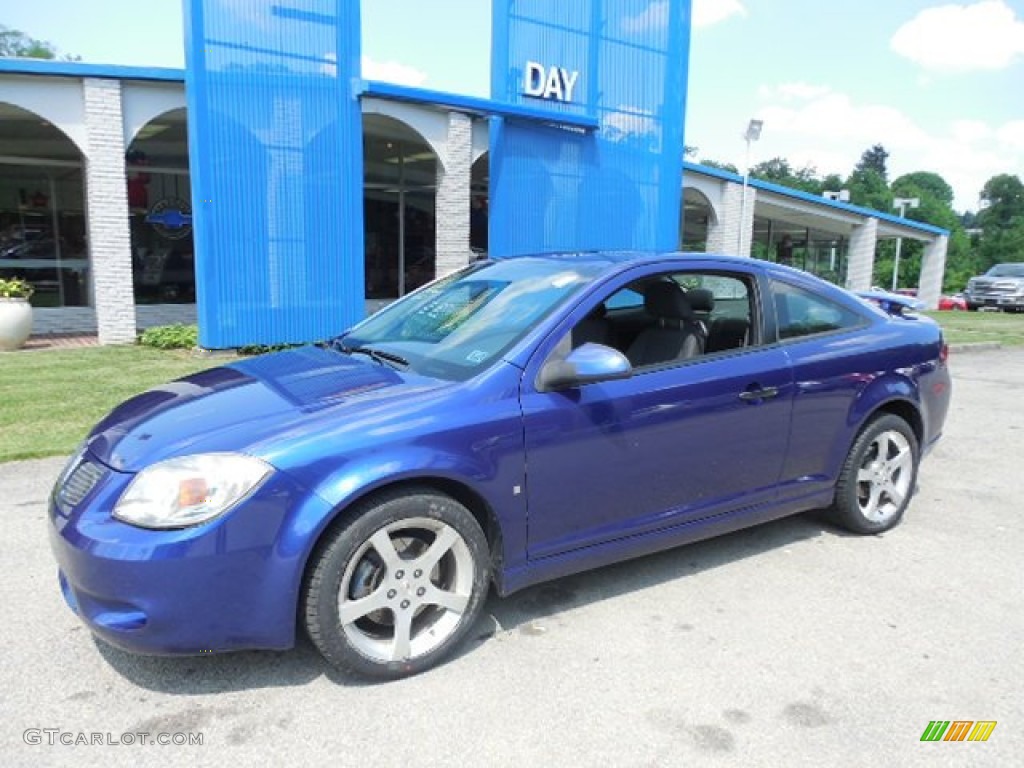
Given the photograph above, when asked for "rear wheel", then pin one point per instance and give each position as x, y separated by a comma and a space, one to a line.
878, 477
395, 589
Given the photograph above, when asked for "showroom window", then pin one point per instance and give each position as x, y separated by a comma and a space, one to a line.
400, 187
42, 210
160, 212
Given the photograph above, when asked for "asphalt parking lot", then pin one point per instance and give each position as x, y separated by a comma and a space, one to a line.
791, 644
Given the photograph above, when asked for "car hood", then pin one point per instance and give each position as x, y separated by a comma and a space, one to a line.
248, 405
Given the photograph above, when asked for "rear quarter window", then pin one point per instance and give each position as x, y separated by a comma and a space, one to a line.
801, 313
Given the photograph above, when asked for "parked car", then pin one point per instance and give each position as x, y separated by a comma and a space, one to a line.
955, 302
515, 422
1002, 287
893, 303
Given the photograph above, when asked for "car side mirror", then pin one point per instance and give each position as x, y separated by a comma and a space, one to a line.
584, 365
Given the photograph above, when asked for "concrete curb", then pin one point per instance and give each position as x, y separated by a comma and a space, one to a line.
975, 346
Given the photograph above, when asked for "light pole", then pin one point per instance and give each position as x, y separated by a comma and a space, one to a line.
902, 203
753, 134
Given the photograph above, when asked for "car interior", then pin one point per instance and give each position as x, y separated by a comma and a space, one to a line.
669, 318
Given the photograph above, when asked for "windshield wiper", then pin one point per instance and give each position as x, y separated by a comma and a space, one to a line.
376, 354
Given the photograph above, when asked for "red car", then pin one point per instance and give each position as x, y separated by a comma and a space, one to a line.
955, 302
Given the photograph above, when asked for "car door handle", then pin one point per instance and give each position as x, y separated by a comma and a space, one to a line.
759, 393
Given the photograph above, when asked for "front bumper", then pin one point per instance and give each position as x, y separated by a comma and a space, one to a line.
229, 584
1014, 301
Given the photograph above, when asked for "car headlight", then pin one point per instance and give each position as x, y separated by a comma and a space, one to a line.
189, 490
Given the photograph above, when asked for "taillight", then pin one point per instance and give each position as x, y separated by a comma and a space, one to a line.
944, 353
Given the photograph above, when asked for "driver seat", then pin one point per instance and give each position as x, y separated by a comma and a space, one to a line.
678, 334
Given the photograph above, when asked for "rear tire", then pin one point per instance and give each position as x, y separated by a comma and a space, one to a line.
878, 477
395, 588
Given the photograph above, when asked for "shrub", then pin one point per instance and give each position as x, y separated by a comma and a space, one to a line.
170, 337
15, 289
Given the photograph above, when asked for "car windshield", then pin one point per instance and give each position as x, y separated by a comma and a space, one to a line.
456, 326
1007, 270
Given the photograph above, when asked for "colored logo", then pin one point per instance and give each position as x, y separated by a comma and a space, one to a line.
171, 218
958, 730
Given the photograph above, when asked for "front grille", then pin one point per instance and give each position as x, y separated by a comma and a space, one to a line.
994, 290
77, 484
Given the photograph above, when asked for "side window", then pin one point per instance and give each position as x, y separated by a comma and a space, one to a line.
801, 313
670, 317
626, 298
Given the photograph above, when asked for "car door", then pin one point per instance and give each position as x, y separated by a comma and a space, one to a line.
673, 444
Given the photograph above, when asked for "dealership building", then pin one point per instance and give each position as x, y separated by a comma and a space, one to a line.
269, 193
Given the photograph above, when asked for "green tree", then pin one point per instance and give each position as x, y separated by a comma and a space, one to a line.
935, 207
832, 183
719, 165
869, 189
1002, 221
778, 171
874, 159
17, 44
1002, 200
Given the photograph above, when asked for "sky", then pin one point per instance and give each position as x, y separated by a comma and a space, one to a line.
939, 84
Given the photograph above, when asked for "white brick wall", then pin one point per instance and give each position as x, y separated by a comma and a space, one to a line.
150, 315
109, 235
82, 320
860, 260
724, 235
453, 197
933, 268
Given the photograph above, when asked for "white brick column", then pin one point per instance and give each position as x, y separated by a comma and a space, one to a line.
452, 205
724, 236
109, 233
860, 259
933, 270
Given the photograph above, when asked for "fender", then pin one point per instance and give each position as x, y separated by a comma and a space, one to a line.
493, 481
885, 390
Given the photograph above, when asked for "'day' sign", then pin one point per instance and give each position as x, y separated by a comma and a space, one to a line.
553, 83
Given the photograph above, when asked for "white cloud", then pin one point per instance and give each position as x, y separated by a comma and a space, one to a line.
708, 12
630, 121
1011, 136
836, 116
970, 130
828, 130
962, 38
792, 91
392, 72
705, 13
654, 16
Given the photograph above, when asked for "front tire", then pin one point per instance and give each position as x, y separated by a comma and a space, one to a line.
395, 588
878, 477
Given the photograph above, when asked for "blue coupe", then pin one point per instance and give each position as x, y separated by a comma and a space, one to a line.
514, 422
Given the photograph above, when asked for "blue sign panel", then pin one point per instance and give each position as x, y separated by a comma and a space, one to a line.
275, 139
622, 62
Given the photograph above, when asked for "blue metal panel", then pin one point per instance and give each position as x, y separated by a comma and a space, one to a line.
474, 105
275, 140
619, 187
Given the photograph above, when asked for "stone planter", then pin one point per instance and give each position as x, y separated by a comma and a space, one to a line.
15, 323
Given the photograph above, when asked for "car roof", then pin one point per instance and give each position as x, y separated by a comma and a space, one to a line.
628, 257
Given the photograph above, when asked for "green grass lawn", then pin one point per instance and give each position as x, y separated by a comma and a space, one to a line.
50, 398
967, 327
